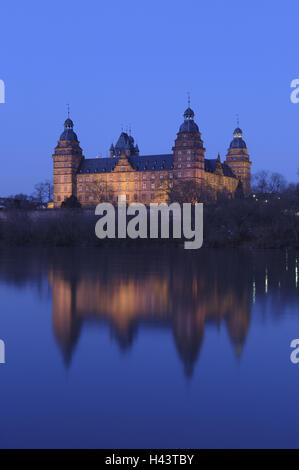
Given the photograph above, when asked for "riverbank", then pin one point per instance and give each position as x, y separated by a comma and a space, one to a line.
257, 223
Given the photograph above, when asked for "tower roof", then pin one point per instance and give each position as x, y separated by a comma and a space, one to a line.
189, 113
238, 142
125, 142
189, 125
68, 133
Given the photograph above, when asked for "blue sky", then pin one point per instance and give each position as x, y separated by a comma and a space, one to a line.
132, 63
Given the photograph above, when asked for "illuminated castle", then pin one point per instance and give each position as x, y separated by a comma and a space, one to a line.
141, 178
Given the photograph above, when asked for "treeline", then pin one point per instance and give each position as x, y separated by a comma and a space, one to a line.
40, 197
269, 218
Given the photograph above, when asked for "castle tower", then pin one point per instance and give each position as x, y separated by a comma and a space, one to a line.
66, 159
188, 150
124, 145
238, 160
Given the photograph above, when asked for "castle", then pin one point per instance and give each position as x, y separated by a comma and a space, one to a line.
143, 178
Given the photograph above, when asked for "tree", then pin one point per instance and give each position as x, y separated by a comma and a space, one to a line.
268, 183
277, 183
98, 190
43, 192
183, 191
19, 202
260, 182
239, 193
71, 203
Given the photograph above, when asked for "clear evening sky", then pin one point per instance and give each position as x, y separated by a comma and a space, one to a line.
132, 63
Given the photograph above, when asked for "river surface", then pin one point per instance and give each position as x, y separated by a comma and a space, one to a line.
148, 348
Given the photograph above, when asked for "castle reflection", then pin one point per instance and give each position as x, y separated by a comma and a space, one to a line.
174, 289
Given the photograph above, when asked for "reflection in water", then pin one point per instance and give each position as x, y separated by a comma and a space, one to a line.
179, 293
175, 289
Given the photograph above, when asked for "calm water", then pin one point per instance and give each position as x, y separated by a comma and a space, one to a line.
126, 349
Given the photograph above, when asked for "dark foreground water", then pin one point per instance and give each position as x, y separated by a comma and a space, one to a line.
128, 349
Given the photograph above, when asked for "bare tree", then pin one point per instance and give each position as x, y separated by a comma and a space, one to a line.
98, 189
277, 183
43, 192
260, 182
182, 191
268, 183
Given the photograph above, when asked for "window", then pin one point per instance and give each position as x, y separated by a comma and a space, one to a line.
144, 176
179, 174
144, 186
179, 166
80, 188
153, 185
153, 176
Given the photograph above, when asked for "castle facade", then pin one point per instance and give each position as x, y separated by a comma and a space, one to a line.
147, 178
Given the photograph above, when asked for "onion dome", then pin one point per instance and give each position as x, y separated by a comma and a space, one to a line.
238, 142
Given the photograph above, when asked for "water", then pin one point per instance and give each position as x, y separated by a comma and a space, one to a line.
148, 348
